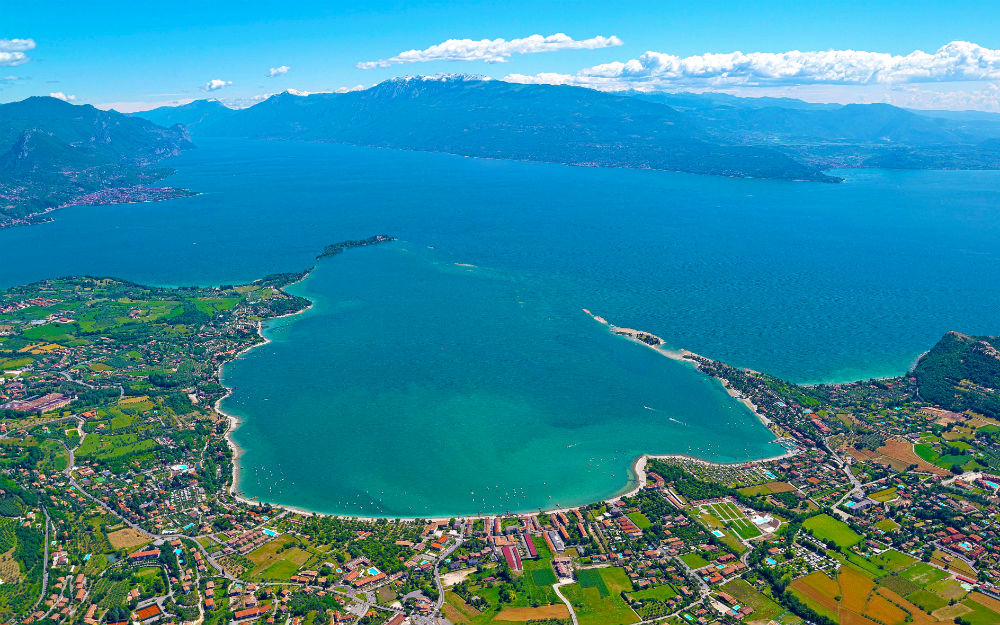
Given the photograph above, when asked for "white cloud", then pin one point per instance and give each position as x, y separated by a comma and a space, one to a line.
956, 61
12, 51
59, 95
277, 71
492, 50
215, 84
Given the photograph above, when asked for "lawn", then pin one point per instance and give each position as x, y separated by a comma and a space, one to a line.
640, 520
893, 560
660, 593
694, 560
745, 528
827, 528
596, 597
887, 525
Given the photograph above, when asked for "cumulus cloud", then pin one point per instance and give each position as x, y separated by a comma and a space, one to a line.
956, 61
12, 51
215, 84
277, 71
59, 95
492, 50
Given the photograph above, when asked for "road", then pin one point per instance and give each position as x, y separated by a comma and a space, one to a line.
45, 563
569, 606
437, 573
855, 482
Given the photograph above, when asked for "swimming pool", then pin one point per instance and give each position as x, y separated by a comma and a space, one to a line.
270, 532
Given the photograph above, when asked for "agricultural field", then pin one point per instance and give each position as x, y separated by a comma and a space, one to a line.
827, 528
911, 592
596, 597
887, 494
110, 447
127, 538
768, 488
945, 454
278, 559
539, 576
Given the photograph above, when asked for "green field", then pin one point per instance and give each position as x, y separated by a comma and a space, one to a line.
640, 520
946, 460
539, 576
660, 593
893, 560
980, 615
927, 600
887, 525
744, 528
827, 528
764, 608
923, 574
887, 494
596, 597
694, 560
104, 447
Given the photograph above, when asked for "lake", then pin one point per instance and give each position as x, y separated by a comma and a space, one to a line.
810, 282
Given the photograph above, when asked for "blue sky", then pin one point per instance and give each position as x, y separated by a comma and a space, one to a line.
135, 55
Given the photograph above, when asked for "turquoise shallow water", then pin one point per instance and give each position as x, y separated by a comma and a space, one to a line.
418, 387
807, 281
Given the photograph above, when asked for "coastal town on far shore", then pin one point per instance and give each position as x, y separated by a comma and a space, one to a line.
117, 502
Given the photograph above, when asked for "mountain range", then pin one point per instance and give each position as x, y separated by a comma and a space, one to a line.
53, 153
699, 133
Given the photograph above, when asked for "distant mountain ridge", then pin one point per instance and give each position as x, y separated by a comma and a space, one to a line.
699, 133
53, 153
496, 119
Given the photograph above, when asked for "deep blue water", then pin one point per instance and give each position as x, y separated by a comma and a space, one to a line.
807, 281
